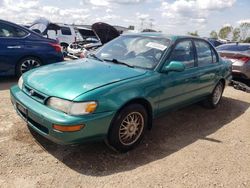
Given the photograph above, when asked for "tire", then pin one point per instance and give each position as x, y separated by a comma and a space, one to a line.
27, 64
214, 99
125, 133
64, 49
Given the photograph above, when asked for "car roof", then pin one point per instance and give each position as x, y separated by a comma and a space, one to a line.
163, 35
16, 25
84, 28
236, 44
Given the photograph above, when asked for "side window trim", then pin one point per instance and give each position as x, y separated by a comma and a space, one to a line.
215, 53
210, 47
26, 33
192, 47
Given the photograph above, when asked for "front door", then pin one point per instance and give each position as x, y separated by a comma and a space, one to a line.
179, 87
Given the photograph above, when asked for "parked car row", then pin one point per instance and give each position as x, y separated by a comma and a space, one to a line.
74, 39
116, 91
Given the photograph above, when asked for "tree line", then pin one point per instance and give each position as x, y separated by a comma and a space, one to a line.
235, 34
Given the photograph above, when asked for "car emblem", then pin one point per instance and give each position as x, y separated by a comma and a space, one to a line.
31, 92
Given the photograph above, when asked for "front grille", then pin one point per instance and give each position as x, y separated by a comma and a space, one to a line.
38, 126
34, 94
34, 123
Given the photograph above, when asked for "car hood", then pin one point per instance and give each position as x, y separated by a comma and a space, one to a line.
70, 79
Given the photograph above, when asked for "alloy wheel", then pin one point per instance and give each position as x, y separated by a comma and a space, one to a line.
131, 128
217, 94
29, 64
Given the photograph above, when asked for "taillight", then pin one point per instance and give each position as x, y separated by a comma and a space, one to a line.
57, 47
244, 59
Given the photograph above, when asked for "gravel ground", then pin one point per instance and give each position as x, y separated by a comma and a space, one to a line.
192, 147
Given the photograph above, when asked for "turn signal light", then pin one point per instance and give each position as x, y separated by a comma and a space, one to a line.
66, 128
91, 107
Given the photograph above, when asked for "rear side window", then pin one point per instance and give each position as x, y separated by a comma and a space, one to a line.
66, 31
8, 31
204, 53
184, 53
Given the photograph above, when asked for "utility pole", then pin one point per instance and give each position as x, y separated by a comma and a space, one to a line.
151, 23
142, 23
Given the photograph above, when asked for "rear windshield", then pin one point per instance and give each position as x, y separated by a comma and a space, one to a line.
240, 48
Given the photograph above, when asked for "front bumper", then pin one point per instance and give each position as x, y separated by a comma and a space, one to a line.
41, 118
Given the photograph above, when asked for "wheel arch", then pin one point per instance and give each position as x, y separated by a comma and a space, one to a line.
145, 103
223, 82
64, 44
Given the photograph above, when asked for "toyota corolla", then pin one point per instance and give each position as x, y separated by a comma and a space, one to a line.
116, 92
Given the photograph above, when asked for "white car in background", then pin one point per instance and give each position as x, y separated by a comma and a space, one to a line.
63, 33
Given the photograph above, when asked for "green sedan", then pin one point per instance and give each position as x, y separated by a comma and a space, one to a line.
115, 93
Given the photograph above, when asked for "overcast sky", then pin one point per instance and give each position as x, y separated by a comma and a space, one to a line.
169, 16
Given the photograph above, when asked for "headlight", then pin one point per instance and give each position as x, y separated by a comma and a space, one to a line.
20, 83
72, 108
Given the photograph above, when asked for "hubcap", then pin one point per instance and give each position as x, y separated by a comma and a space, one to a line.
28, 65
217, 94
131, 128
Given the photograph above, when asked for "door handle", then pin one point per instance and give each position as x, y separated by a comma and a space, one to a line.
13, 47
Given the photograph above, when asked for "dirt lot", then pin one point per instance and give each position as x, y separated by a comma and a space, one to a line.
193, 147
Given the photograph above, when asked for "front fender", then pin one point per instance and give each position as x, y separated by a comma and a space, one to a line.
112, 97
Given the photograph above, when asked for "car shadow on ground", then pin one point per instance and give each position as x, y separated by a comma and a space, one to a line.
170, 133
7, 82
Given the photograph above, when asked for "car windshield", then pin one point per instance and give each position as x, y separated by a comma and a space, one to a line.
231, 47
135, 51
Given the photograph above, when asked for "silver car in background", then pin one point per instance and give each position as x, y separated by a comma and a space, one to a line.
239, 55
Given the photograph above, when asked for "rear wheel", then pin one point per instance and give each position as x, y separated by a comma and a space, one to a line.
214, 99
27, 64
64, 49
128, 128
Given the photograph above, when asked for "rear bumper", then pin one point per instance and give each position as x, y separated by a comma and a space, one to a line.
241, 70
41, 118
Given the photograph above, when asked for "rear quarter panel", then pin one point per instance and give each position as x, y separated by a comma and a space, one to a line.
41, 49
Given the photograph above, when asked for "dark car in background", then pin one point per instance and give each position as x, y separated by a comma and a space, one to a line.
239, 54
22, 49
215, 42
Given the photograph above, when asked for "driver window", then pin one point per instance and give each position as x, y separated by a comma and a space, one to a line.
184, 53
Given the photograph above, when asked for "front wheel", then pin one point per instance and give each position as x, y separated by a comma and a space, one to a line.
214, 99
128, 127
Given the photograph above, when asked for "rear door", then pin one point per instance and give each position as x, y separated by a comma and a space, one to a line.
208, 66
11, 47
180, 87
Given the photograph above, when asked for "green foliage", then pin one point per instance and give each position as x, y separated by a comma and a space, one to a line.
214, 35
225, 31
247, 40
236, 34
193, 33
244, 30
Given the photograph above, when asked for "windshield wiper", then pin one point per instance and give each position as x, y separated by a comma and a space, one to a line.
94, 56
115, 61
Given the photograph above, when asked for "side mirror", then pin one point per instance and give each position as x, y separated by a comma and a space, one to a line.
175, 66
